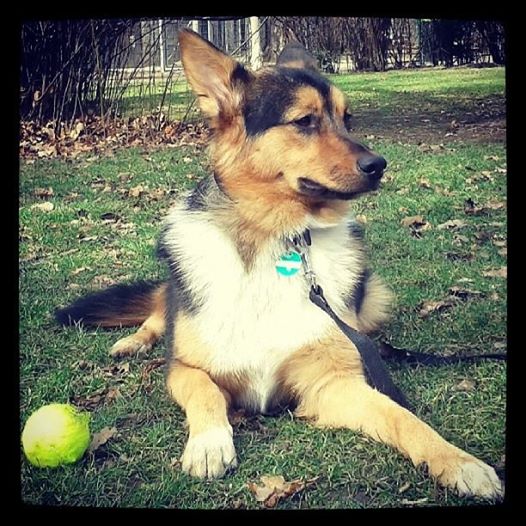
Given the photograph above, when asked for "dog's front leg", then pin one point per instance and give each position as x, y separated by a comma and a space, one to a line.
331, 390
209, 451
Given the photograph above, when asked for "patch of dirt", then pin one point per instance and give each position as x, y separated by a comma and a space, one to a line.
477, 121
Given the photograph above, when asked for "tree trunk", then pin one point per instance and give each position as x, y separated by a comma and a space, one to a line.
493, 34
256, 60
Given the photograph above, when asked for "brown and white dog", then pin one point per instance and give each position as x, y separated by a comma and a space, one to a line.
241, 331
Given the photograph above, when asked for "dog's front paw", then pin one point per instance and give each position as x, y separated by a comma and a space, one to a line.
129, 345
468, 476
210, 454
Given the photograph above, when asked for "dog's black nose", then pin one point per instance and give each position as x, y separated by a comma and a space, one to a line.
372, 165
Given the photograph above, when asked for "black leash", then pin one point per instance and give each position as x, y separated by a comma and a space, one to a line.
377, 374
409, 357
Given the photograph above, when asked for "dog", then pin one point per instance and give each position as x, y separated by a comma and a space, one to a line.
240, 329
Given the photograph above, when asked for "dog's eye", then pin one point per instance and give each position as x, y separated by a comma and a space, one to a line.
305, 122
347, 120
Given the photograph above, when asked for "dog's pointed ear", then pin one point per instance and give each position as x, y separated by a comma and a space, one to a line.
294, 55
216, 78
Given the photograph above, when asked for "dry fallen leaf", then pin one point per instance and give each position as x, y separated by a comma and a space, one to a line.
362, 219
496, 273
458, 256
416, 224
84, 239
103, 281
424, 183
136, 191
406, 502
100, 438
275, 487
79, 270
456, 295
499, 242
471, 208
459, 239
412, 220
110, 217
76, 131
465, 385
43, 207
43, 192
464, 294
117, 370
430, 307
96, 398
453, 224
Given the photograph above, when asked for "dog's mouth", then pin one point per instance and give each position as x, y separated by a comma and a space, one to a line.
312, 188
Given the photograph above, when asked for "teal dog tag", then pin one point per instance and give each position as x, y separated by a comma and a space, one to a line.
288, 264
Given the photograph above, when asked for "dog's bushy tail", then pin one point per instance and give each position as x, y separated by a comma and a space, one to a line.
118, 306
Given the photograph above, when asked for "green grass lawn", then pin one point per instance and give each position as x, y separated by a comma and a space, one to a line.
107, 210
381, 100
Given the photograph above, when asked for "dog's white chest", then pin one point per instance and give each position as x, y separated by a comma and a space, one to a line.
254, 320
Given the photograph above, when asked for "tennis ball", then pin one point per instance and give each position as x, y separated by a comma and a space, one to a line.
56, 434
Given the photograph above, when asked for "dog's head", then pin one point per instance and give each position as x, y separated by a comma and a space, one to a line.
282, 131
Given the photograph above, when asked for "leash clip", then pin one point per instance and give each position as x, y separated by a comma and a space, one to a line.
301, 243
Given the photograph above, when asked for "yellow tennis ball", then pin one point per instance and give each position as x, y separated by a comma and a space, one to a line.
56, 434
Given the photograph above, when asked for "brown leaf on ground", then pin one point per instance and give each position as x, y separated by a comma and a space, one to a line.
110, 217
43, 193
117, 371
453, 224
417, 502
146, 372
460, 256
412, 220
43, 207
464, 294
94, 135
465, 385
275, 487
496, 273
100, 438
416, 224
456, 295
103, 281
76, 131
96, 399
424, 183
427, 308
137, 191
78, 270
471, 208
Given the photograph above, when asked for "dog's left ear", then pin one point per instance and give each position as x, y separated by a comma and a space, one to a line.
216, 78
294, 55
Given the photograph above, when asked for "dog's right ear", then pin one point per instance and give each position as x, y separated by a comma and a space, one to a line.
216, 78
294, 55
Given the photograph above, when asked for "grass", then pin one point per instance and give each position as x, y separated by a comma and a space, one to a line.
373, 96
103, 227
